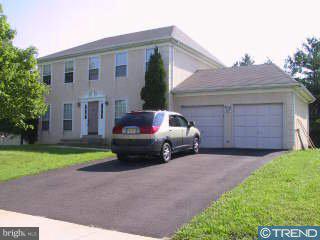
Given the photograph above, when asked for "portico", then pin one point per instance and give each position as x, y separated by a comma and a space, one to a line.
93, 114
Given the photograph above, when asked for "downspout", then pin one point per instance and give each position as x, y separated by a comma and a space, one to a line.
293, 119
170, 78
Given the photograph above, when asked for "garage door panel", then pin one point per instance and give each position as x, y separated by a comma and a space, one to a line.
245, 131
271, 143
209, 142
251, 142
258, 126
213, 111
210, 131
274, 132
271, 120
209, 120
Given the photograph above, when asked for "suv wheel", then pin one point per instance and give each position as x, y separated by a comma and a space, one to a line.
122, 157
165, 153
195, 146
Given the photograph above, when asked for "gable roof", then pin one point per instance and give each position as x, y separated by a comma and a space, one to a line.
244, 77
137, 38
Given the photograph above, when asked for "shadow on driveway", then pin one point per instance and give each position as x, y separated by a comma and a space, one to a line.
238, 152
143, 162
118, 166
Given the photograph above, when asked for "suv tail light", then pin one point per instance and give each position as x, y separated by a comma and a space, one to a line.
149, 129
117, 130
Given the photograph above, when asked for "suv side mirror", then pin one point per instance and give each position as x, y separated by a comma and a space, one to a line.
191, 124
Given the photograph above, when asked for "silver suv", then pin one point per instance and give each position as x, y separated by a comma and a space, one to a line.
152, 133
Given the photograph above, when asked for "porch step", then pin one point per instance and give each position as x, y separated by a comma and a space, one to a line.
87, 141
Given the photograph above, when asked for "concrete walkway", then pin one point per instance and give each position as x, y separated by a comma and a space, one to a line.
53, 229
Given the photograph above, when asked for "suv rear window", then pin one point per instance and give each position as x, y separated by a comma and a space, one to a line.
140, 119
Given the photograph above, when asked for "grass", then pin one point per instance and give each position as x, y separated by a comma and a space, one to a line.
18, 161
285, 191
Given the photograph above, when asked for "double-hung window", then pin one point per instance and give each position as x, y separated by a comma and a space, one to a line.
46, 74
121, 64
94, 65
149, 53
45, 121
67, 117
120, 109
68, 71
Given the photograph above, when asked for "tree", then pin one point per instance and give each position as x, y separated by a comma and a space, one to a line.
304, 66
268, 61
246, 60
154, 93
21, 92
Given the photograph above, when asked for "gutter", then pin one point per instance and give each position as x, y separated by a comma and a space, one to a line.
304, 92
298, 88
252, 87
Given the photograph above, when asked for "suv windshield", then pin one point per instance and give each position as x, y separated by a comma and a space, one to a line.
140, 119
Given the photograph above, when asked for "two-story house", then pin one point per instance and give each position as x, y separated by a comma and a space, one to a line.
94, 84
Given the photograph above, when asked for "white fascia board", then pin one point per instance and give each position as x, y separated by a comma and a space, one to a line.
235, 90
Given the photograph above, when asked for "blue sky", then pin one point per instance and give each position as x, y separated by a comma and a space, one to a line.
227, 28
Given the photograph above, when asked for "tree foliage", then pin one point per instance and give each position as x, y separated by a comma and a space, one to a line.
21, 92
246, 60
304, 66
154, 93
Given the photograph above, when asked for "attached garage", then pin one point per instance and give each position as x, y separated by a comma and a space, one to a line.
209, 121
245, 107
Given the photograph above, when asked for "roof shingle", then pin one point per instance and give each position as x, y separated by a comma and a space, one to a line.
171, 32
234, 77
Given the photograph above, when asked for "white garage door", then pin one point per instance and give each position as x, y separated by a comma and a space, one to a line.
209, 120
258, 126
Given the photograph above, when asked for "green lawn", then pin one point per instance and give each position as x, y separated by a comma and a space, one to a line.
286, 191
17, 161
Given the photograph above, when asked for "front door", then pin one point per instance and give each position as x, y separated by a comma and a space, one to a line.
93, 118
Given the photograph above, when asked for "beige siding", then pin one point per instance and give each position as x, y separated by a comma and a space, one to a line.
185, 65
302, 115
126, 88
244, 98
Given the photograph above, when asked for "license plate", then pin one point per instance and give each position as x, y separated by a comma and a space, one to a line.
131, 130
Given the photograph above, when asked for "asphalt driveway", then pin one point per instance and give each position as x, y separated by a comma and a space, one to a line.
140, 197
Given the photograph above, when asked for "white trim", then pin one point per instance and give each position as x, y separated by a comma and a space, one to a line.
304, 94
115, 64
231, 92
83, 120
99, 74
74, 71
101, 122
